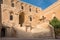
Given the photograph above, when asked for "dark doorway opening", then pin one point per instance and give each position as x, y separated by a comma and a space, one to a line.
21, 19
3, 31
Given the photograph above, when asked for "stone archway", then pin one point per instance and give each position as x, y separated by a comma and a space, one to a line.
21, 18
3, 32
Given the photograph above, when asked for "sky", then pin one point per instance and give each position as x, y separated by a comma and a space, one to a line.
43, 4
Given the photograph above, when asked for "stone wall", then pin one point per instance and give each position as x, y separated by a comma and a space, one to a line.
32, 16
53, 10
31, 11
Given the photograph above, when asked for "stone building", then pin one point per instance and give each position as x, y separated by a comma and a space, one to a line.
18, 15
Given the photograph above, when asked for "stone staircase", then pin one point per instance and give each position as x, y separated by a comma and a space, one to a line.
40, 31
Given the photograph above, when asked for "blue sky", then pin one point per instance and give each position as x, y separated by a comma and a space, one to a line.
40, 3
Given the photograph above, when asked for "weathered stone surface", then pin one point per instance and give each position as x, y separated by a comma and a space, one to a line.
22, 20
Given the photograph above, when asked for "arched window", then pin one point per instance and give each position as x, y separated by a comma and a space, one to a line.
36, 10
11, 16
30, 18
30, 9
12, 4
22, 7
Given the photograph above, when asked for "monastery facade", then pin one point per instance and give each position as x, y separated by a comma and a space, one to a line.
18, 15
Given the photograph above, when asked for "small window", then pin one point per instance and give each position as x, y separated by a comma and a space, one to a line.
36, 10
11, 17
22, 7
12, 4
30, 18
30, 9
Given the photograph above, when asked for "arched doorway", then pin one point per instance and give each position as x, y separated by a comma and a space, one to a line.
3, 31
21, 18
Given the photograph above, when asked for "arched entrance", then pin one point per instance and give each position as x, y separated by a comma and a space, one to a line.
21, 18
3, 32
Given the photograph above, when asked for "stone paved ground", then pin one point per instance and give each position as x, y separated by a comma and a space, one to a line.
25, 39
